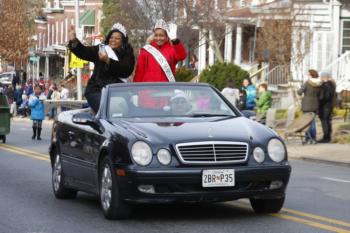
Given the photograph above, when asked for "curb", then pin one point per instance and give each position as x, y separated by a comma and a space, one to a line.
315, 160
16, 119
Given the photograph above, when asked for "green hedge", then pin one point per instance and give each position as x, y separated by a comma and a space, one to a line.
219, 73
184, 74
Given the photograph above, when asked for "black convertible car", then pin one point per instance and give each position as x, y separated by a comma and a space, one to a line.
167, 142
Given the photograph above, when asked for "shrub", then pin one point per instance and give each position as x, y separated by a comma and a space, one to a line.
219, 73
184, 74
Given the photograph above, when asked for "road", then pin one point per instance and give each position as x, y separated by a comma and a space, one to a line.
318, 200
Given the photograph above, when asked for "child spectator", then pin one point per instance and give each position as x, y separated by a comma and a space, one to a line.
263, 102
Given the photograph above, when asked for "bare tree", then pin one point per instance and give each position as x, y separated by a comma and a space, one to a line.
17, 25
282, 38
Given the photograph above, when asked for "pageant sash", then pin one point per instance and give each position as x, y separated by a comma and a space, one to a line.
161, 61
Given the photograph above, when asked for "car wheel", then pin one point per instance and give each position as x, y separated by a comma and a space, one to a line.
4, 138
59, 190
267, 205
113, 207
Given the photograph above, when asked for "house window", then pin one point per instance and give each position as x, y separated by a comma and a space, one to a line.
345, 38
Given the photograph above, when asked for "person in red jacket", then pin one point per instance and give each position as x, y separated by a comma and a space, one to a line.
148, 68
157, 62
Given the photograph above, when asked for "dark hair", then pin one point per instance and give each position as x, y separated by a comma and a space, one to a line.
37, 85
249, 81
231, 83
126, 47
243, 92
313, 73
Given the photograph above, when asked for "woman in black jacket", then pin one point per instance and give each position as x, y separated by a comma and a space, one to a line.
114, 62
327, 103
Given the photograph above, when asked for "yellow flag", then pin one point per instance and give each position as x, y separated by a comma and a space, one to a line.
76, 62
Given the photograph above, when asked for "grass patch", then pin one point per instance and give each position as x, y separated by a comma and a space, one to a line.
342, 133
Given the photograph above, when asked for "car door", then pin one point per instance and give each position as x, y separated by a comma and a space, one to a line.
91, 144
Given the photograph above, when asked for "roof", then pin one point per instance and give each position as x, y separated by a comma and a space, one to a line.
88, 18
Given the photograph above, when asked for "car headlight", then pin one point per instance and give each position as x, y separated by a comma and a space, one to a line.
276, 150
164, 156
259, 155
141, 153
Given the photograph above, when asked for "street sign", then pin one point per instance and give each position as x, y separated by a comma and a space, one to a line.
76, 62
34, 59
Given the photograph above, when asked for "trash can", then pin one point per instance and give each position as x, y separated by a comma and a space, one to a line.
4, 117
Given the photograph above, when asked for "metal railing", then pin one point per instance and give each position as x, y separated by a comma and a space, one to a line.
278, 75
340, 70
259, 75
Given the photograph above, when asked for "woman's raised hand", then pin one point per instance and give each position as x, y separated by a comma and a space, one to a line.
103, 57
71, 33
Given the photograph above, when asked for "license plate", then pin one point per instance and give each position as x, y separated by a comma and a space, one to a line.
218, 178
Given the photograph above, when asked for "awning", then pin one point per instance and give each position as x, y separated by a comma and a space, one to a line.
88, 18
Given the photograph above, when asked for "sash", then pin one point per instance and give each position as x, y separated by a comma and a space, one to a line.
111, 54
161, 61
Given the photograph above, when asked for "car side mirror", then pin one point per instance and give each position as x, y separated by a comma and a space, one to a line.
85, 118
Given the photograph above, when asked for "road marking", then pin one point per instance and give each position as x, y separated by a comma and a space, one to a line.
285, 211
335, 179
313, 216
312, 223
25, 152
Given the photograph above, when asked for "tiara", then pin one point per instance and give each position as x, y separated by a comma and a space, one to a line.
160, 23
119, 27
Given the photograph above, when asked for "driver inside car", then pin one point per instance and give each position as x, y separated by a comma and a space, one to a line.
179, 103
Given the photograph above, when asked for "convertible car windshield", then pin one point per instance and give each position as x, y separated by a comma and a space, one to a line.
165, 101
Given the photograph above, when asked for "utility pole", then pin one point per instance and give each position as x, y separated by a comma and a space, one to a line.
79, 36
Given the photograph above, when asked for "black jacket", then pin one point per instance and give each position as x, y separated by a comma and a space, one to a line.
104, 73
328, 95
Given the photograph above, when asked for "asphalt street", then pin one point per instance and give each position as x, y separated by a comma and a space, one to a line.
318, 200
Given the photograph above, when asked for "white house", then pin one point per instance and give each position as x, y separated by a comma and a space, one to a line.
327, 21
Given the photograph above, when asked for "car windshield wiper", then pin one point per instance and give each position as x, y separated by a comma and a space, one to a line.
209, 115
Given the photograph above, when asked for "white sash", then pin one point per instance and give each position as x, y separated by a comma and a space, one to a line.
161, 61
111, 54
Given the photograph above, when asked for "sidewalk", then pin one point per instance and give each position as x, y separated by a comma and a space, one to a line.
338, 154
26, 119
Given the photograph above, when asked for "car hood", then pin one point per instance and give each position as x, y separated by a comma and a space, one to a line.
172, 131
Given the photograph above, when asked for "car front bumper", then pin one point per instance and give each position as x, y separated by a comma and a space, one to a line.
185, 184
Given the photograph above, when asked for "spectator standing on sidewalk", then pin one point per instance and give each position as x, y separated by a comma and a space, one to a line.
263, 103
327, 103
53, 94
251, 93
64, 92
231, 93
37, 111
311, 90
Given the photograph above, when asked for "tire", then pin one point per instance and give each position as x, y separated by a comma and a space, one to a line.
58, 188
267, 205
3, 137
113, 207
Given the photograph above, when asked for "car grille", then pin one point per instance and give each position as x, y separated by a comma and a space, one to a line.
212, 152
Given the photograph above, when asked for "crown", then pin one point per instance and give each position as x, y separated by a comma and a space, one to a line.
119, 27
160, 23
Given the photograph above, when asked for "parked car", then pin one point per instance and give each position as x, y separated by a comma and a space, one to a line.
7, 77
167, 142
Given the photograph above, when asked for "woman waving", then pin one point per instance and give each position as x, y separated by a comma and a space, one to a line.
157, 60
114, 61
